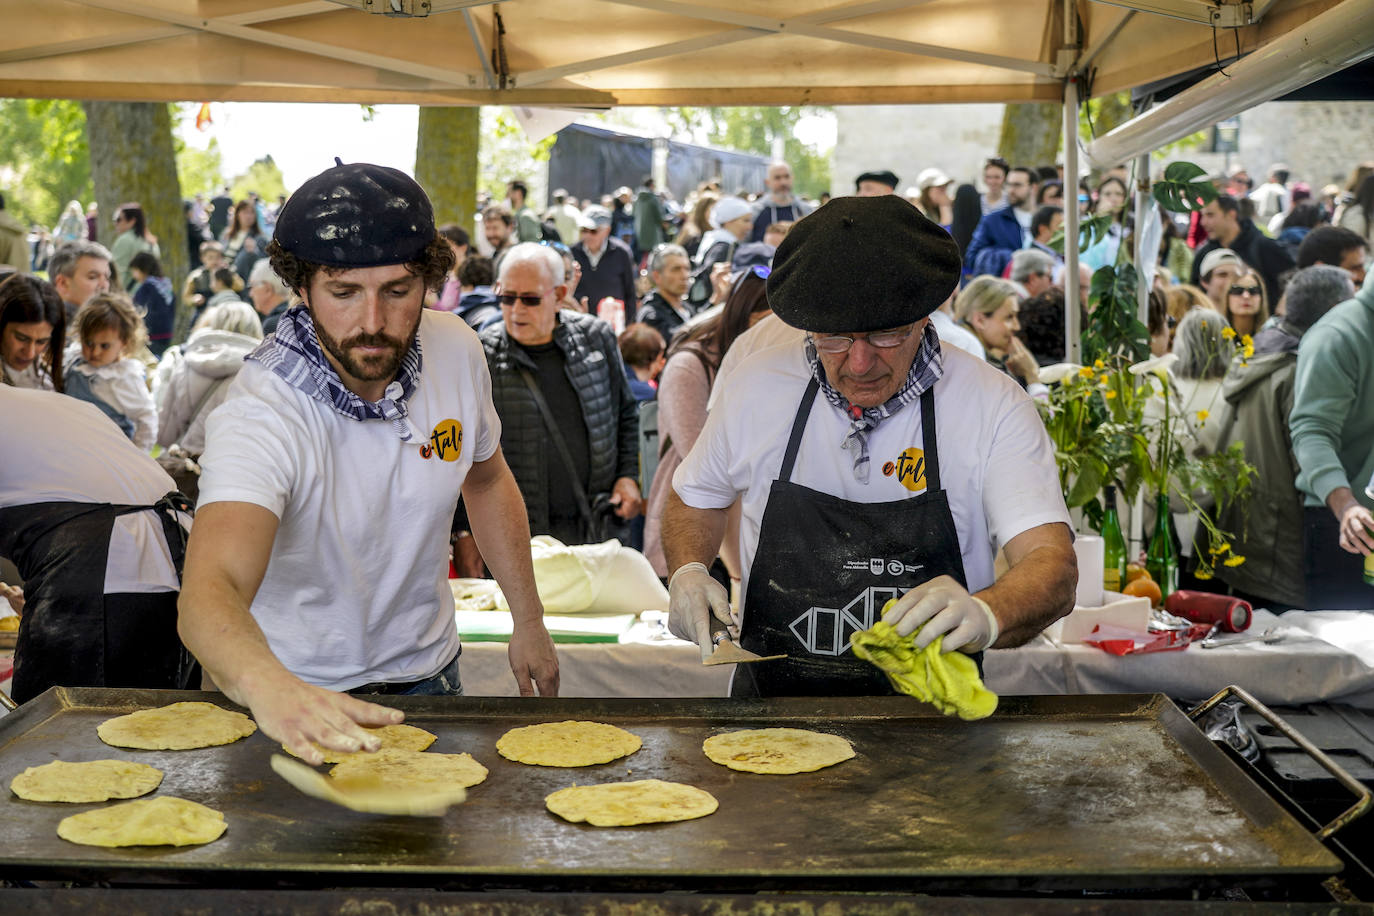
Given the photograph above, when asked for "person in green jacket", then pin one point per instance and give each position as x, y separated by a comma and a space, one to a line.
133, 237
1257, 399
648, 211
1333, 436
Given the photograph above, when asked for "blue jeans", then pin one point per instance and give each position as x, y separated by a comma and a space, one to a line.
444, 684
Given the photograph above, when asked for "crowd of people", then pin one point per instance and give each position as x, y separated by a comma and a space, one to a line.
597, 324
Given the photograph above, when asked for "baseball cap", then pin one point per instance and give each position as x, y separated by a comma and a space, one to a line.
1215, 258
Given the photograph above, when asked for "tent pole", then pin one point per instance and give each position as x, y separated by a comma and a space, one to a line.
1143, 211
1072, 343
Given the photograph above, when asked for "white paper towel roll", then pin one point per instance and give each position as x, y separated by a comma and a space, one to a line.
1091, 557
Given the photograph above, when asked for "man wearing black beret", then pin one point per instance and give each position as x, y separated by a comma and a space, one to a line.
331, 474
870, 463
875, 184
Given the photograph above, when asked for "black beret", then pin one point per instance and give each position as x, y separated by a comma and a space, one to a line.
862, 264
357, 215
883, 177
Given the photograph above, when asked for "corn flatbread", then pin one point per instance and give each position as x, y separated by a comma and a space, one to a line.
162, 821
178, 727
624, 804
394, 738
567, 744
777, 750
401, 769
94, 781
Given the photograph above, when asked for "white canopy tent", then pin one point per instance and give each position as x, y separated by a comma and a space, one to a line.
602, 53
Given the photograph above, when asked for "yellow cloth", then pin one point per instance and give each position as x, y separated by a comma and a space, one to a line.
949, 682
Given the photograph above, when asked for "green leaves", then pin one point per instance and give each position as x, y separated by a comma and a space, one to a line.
1112, 326
1090, 232
1184, 187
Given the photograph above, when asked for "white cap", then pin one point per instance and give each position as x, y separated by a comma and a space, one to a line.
932, 178
727, 209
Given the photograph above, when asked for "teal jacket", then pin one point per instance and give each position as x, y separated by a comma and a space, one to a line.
1333, 401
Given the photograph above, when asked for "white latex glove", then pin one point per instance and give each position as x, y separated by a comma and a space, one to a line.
692, 595
943, 606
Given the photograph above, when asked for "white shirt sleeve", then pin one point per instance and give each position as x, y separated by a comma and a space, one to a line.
129, 390
706, 478
1021, 481
248, 455
488, 433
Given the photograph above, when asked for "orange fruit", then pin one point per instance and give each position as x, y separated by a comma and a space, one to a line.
1136, 571
1144, 587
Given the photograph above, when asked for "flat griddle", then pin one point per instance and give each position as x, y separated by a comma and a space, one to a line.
1050, 793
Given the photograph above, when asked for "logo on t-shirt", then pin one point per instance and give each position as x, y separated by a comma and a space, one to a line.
910, 469
446, 441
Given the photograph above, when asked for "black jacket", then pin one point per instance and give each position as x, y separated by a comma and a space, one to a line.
1256, 249
659, 315
613, 275
597, 374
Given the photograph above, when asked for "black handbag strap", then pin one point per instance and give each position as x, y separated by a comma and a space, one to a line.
583, 505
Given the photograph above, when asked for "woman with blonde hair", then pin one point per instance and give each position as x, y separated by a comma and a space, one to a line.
989, 307
1247, 305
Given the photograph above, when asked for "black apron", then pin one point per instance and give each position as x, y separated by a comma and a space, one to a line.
824, 568
72, 634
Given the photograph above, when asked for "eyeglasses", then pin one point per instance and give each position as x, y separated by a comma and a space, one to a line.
885, 340
1084, 199
1245, 290
528, 299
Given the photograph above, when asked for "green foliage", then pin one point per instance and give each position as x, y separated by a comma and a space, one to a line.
263, 176
1090, 231
753, 130
46, 158
201, 171
505, 153
1113, 328
1181, 190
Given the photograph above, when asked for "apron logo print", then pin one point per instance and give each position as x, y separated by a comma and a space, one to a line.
826, 631
446, 441
877, 566
909, 468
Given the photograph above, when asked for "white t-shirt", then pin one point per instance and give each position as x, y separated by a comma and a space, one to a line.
996, 462
955, 334
771, 331
27, 377
356, 589
60, 449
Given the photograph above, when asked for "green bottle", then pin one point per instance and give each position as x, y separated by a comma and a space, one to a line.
1113, 544
1161, 557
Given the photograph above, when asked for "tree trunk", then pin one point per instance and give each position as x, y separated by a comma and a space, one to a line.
132, 160
446, 162
1031, 133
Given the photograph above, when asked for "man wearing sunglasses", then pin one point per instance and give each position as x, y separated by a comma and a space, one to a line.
871, 462
331, 474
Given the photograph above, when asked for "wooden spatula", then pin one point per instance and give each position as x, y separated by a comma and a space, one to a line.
368, 797
726, 652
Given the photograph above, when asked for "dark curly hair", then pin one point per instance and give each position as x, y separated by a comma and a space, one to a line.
433, 265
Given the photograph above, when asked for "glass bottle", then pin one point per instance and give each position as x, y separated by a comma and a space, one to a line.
1113, 544
1161, 557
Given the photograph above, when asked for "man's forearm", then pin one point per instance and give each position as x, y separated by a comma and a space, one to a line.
216, 626
1033, 594
501, 529
690, 535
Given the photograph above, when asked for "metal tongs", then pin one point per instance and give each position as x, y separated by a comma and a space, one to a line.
726, 652
1269, 636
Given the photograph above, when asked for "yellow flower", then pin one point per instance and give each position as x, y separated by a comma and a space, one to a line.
1103, 378
1086, 372
1249, 351
1202, 416
1246, 340
1109, 394
1099, 364
1228, 333
1203, 325
1203, 573
1223, 547
1235, 560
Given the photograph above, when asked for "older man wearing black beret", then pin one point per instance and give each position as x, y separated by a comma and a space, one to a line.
871, 463
331, 474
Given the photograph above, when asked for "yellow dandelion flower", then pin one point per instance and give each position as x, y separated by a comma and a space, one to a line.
1109, 394
1235, 560
1248, 350
1103, 378
1086, 372
1203, 573
1099, 364
1203, 325
1228, 333
1223, 547
1246, 340
1202, 416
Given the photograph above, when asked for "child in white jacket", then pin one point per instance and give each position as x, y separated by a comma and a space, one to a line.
109, 330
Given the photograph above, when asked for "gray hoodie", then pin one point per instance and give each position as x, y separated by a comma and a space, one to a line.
198, 384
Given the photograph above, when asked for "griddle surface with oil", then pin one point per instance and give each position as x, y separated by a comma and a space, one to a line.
1050, 792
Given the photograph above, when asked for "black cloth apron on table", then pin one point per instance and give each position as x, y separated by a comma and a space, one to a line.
824, 568
72, 634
